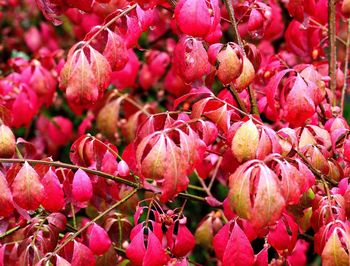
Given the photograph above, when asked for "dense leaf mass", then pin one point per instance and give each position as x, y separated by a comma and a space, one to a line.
174, 132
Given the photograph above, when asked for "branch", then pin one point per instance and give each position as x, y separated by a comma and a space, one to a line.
237, 39
99, 173
332, 56
318, 174
73, 167
105, 26
237, 98
10, 231
346, 66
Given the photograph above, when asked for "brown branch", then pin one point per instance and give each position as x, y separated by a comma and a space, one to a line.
317, 173
98, 173
109, 23
332, 56
172, 3
237, 38
237, 98
72, 167
346, 66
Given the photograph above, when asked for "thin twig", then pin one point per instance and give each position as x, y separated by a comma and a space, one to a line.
318, 174
109, 23
215, 173
332, 56
238, 110
326, 29
10, 231
346, 66
95, 172
237, 98
71, 237
204, 186
73, 167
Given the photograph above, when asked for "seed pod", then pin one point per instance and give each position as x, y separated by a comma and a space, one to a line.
7, 142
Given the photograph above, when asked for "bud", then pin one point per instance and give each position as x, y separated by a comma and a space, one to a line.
246, 77
317, 159
123, 168
229, 64
191, 59
206, 230
7, 142
336, 250
99, 241
245, 142
345, 8
193, 17
335, 170
347, 202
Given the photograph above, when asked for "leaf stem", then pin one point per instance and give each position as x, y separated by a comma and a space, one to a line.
346, 68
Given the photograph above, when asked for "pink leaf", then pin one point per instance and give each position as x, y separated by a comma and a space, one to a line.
81, 187
27, 190
136, 249
6, 201
82, 255
155, 254
238, 251
53, 194
99, 241
193, 17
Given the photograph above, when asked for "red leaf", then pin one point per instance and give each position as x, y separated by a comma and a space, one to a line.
190, 59
99, 241
82, 255
238, 250
184, 241
155, 254
299, 106
81, 187
136, 249
6, 201
81, 88
193, 17
334, 252
53, 200
220, 241
233, 248
101, 69
255, 194
27, 190
175, 176
115, 51
284, 235
7, 142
